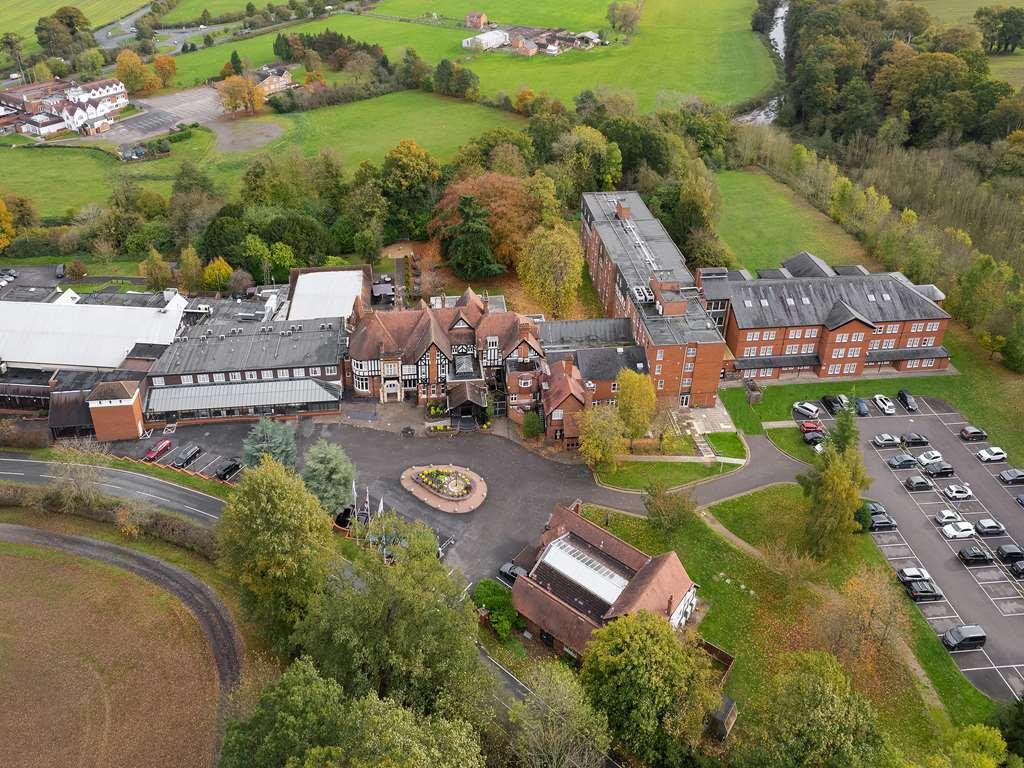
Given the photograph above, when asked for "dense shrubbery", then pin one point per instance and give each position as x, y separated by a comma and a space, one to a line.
497, 600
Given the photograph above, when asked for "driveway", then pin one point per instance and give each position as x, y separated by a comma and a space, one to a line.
985, 595
161, 113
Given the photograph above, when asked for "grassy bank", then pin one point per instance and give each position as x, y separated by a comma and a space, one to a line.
637, 475
792, 442
727, 444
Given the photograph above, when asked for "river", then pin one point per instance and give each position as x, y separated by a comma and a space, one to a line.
777, 36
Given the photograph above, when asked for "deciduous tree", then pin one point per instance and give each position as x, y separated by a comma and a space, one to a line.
216, 275
272, 438
636, 402
330, 476
89, 62
190, 270
601, 435
6, 225
550, 267
157, 271
274, 541
668, 510
166, 68
131, 71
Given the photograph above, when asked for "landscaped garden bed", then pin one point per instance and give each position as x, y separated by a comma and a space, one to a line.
448, 483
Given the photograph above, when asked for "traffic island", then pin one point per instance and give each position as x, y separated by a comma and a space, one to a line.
445, 487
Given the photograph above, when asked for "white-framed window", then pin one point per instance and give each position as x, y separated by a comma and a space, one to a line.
796, 333
203, 378
314, 371
769, 335
914, 342
913, 363
298, 373
235, 376
766, 350
933, 326
661, 383
266, 375
691, 351
525, 383
750, 351
250, 375
853, 352
615, 386
834, 369
929, 341
842, 338
331, 370
687, 382
850, 368
807, 349
492, 342
688, 367
158, 381
282, 373
859, 336
889, 344
753, 335
892, 328
916, 327
766, 373
218, 377
557, 414
928, 363
513, 397
811, 333
660, 354
874, 344
839, 352
879, 329
390, 369
657, 370
792, 349
361, 383
186, 378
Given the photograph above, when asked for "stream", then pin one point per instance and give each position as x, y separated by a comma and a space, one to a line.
777, 35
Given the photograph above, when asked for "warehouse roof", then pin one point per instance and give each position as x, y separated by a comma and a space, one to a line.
244, 394
325, 294
563, 335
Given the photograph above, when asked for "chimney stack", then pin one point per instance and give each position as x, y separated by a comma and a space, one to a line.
668, 606
622, 212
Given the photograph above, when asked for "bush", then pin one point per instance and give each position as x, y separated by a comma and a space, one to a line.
14, 434
532, 426
29, 244
497, 599
863, 518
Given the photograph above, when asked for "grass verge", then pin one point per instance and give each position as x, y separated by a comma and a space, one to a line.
792, 442
637, 475
727, 444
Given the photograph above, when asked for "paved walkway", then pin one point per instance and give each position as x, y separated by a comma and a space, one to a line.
766, 465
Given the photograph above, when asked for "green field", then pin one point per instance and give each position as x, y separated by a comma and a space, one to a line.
705, 50
187, 10
952, 11
365, 130
1009, 68
21, 15
765, 222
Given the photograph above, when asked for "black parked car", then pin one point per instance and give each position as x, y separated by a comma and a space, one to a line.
913, 439
1017, 569
907, 400
975, 555
874, 508
188, 454
973, 434
813, 438
918, 483
939, 469
229, 469
1010, 553
860, 405
989, 527
902, 461
835, 403
920, 591
1012, 476
882, 522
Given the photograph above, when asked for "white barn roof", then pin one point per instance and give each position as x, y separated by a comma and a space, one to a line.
59, 335
325, 294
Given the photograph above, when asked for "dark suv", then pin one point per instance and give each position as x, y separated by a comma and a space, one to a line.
921, 591
913, 439
918, 483
907, 400
975, 555
1012, 476
939, 469
973, 434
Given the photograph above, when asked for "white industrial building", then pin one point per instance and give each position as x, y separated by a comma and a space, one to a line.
486, 41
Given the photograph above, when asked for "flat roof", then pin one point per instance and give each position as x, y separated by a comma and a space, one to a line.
325, 294
58, 335
243, 394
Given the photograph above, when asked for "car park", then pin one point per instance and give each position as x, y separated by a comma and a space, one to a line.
973, 434
229, 469
1010, 553
159, 449
960, 530
957, 492
1012, 476
805, 408
511, 571
811, 425
992, 454
813, 438
902, 461
1017, 569
923, 591
885, 440
188, 454
883, 522
907, 400
874, 508
918, 483
965, 637
885, 405
988, 526
912, 574
939, 469
835, 403
929, 457
946, 516
913, 440
975, 555
860, 406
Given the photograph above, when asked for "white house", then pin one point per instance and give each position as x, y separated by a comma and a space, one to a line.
99, 89
486, 41
43, 124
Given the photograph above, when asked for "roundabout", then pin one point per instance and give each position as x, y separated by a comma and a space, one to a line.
446, 487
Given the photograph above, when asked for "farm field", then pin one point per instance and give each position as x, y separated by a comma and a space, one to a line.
137, 683
706, 50
21, 15
365, 130
1009, 68
764, 223
187, 10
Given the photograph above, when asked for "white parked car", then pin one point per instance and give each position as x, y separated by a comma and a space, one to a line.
961, 530
884, 404
885, 440
991, 454
202, 26
929, 457
947, 516
805, 408
958, 492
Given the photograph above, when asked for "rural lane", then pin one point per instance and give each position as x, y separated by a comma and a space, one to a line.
213, 617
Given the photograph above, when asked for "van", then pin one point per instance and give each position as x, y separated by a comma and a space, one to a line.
60, 271
964, 637
188, 454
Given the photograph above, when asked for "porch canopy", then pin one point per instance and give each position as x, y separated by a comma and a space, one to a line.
467, 393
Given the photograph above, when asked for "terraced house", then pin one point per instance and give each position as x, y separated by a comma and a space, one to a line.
806, 318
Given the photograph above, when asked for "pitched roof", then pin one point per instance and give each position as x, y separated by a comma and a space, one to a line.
463, 392
841, 314
604, 363
564, 381
114, 390
658, 587
806, 264
572, 627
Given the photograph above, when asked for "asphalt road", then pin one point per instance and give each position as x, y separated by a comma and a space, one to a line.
213, 617
986, 595
124, 484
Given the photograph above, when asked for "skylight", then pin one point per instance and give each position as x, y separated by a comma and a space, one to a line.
871, 297
747, 303
805, 300
764, 302
886, 297
578, 565
789, 300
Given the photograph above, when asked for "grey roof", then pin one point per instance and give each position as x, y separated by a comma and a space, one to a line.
144, 351
806, 264
874, 298
69, 409
841, 314
906, 353
776, 361
776, 272
556, 335
239, 395
604, 363
931, 291
249, 348
111, 298
851, 269
695, 326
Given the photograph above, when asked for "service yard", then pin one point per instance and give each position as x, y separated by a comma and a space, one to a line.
988, 595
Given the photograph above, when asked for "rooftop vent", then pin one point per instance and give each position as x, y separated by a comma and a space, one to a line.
871, 297
764, 302
805, 300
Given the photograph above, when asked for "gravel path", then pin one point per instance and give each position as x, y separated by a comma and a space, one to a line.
208, 609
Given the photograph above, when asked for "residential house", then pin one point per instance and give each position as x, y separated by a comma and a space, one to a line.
524, 46
42, 124
271, 80
581, 577
807, 318
52, 106
476, 20
564, 395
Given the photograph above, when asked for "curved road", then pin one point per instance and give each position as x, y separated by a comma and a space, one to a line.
209, 611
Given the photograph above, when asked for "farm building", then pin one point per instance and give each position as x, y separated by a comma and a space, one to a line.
487, 41
476, 20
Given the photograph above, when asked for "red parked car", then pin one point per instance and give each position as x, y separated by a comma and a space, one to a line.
812, 425
158, 450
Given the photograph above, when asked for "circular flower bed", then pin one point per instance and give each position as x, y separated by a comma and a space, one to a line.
445, 482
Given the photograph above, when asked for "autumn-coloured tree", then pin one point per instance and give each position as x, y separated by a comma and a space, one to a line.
217, 275
550, 267
636, 401
512, 212
156, 271
131, 71
238, 94
190, 271
166, 68
601, 435
866, 618
6, 225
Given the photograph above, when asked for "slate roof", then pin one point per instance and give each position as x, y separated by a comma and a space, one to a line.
68, 409
114, 390
906, 353
604, 363
806, 264
563, 335
841, 314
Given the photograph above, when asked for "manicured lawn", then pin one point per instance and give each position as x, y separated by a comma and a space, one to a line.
704, 49
764, 223
188, 10
21, 15
727, 444
637, 475
792, 442
43, 174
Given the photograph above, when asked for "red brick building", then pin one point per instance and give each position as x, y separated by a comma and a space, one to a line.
116, 410
806, 318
